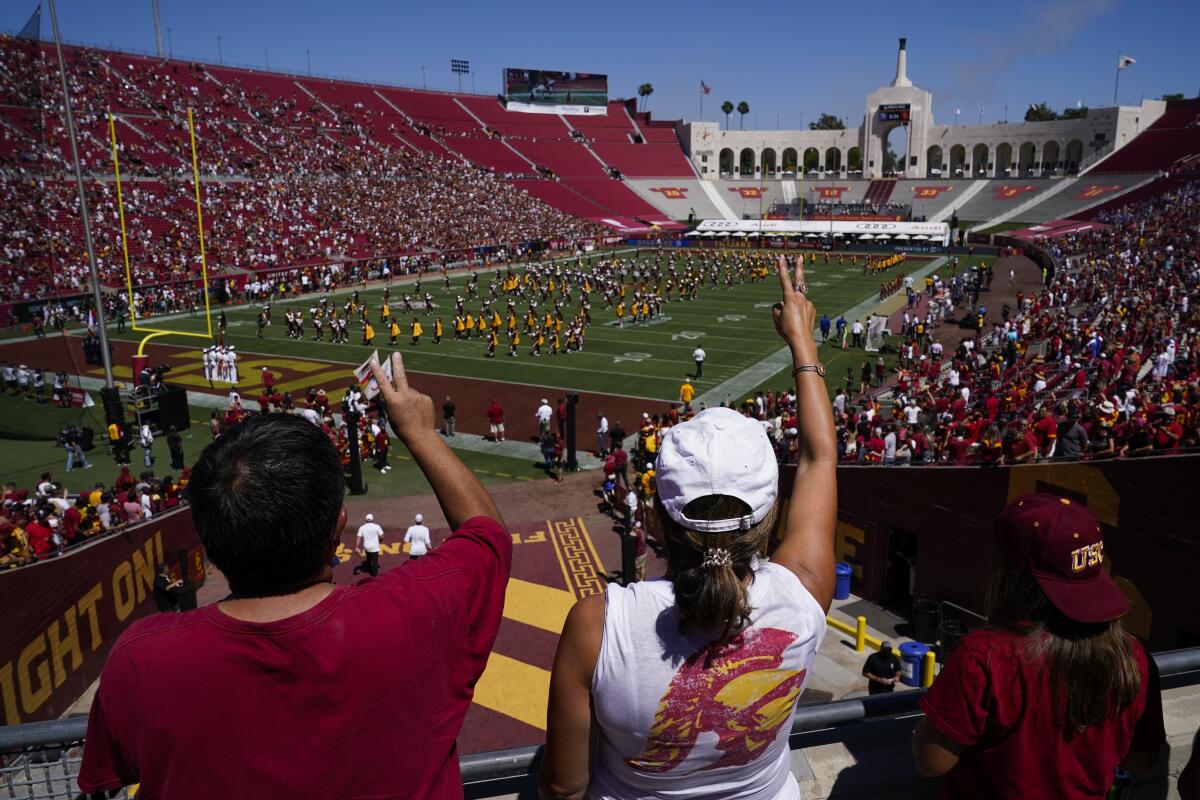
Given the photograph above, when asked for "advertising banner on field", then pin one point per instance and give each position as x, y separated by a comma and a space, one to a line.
68, 612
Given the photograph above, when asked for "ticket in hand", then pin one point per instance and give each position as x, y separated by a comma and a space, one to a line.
366, 380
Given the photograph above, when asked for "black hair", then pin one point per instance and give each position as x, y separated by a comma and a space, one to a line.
265, 498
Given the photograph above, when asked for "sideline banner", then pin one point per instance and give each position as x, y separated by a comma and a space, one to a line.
64, 614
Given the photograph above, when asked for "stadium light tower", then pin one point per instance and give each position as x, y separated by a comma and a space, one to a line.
460, 67
157, 29
97, 300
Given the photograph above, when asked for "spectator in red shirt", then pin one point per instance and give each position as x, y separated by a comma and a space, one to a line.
38, 534
495, 418
382, 671
1051, 696
1167, 432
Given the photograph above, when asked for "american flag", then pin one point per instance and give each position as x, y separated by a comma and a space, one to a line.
704, 87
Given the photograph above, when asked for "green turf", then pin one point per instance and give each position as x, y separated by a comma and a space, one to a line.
837, 360
733, 325
27, 447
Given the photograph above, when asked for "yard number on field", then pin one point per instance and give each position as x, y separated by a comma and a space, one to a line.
731, 318
632, 357
689, 335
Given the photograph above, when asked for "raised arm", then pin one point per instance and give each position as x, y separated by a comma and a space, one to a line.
459, 492
807, 539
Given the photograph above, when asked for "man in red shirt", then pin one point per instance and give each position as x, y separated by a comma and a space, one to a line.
38, 534
313, 690
1167, 432
1046, 430
495, 418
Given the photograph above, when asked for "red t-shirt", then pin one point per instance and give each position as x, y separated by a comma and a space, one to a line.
362, 695
995, 700
495, 414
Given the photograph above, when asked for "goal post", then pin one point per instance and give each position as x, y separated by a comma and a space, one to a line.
153, 332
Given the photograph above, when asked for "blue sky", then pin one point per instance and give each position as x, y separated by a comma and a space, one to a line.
785, 59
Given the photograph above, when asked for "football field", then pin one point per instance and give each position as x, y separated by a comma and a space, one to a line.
646, 360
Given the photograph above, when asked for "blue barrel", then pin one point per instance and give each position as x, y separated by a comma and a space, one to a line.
912, 658
841, 589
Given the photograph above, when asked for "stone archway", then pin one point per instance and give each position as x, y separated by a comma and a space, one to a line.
933, 161
854, 159
768, 161
958, 160
1074, 155
1026, 158
790, 159
725, 161
833, 160
979, 161
1051, 155
1004, 157
746, 163
812, 159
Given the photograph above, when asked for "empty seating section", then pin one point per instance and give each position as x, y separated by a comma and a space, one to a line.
1174, 137
492, 153
616, 197
879, 192
563, 158
562, 197
611, 127
649, 160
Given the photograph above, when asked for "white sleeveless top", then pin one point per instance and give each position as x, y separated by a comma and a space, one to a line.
682, 717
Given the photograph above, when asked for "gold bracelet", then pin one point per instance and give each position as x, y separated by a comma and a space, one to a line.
818, 368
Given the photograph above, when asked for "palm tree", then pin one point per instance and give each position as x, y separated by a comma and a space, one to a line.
644, 92
743, 109
727, 107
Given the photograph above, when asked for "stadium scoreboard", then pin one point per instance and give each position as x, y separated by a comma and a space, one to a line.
894, 112
541, 91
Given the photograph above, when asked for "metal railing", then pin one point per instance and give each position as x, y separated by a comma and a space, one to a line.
41, 759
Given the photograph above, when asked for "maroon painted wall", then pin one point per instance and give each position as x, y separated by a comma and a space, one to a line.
62, 616
1147, 507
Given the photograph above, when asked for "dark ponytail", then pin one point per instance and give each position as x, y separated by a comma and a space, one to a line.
708, 569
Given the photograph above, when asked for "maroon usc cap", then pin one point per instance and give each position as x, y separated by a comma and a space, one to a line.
1059, 542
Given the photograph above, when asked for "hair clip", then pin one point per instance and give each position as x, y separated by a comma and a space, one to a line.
716, 557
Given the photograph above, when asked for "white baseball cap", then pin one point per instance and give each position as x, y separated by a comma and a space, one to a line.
419, 519
717, 452
370, 517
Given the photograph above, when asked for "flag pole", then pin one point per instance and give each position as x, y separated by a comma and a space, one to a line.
1117, 82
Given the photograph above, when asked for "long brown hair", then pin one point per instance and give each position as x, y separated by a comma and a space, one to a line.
1093, 671
711, 597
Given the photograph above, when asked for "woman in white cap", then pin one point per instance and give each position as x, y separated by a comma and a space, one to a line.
685, 687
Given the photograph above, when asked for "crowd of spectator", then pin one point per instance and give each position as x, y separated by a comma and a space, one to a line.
51, 519
288, 179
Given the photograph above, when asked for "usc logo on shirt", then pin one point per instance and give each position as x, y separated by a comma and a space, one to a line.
1084, 557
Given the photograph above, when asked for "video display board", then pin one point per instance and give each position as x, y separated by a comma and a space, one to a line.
542, 91
894, 112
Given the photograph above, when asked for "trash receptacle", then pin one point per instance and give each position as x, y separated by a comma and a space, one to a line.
950, 632
841, 589
925, 616
912, 656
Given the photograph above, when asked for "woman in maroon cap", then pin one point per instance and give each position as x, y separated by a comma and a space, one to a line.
1052, 696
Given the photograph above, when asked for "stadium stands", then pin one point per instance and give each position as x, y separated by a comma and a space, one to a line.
295, 171
1172, 140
